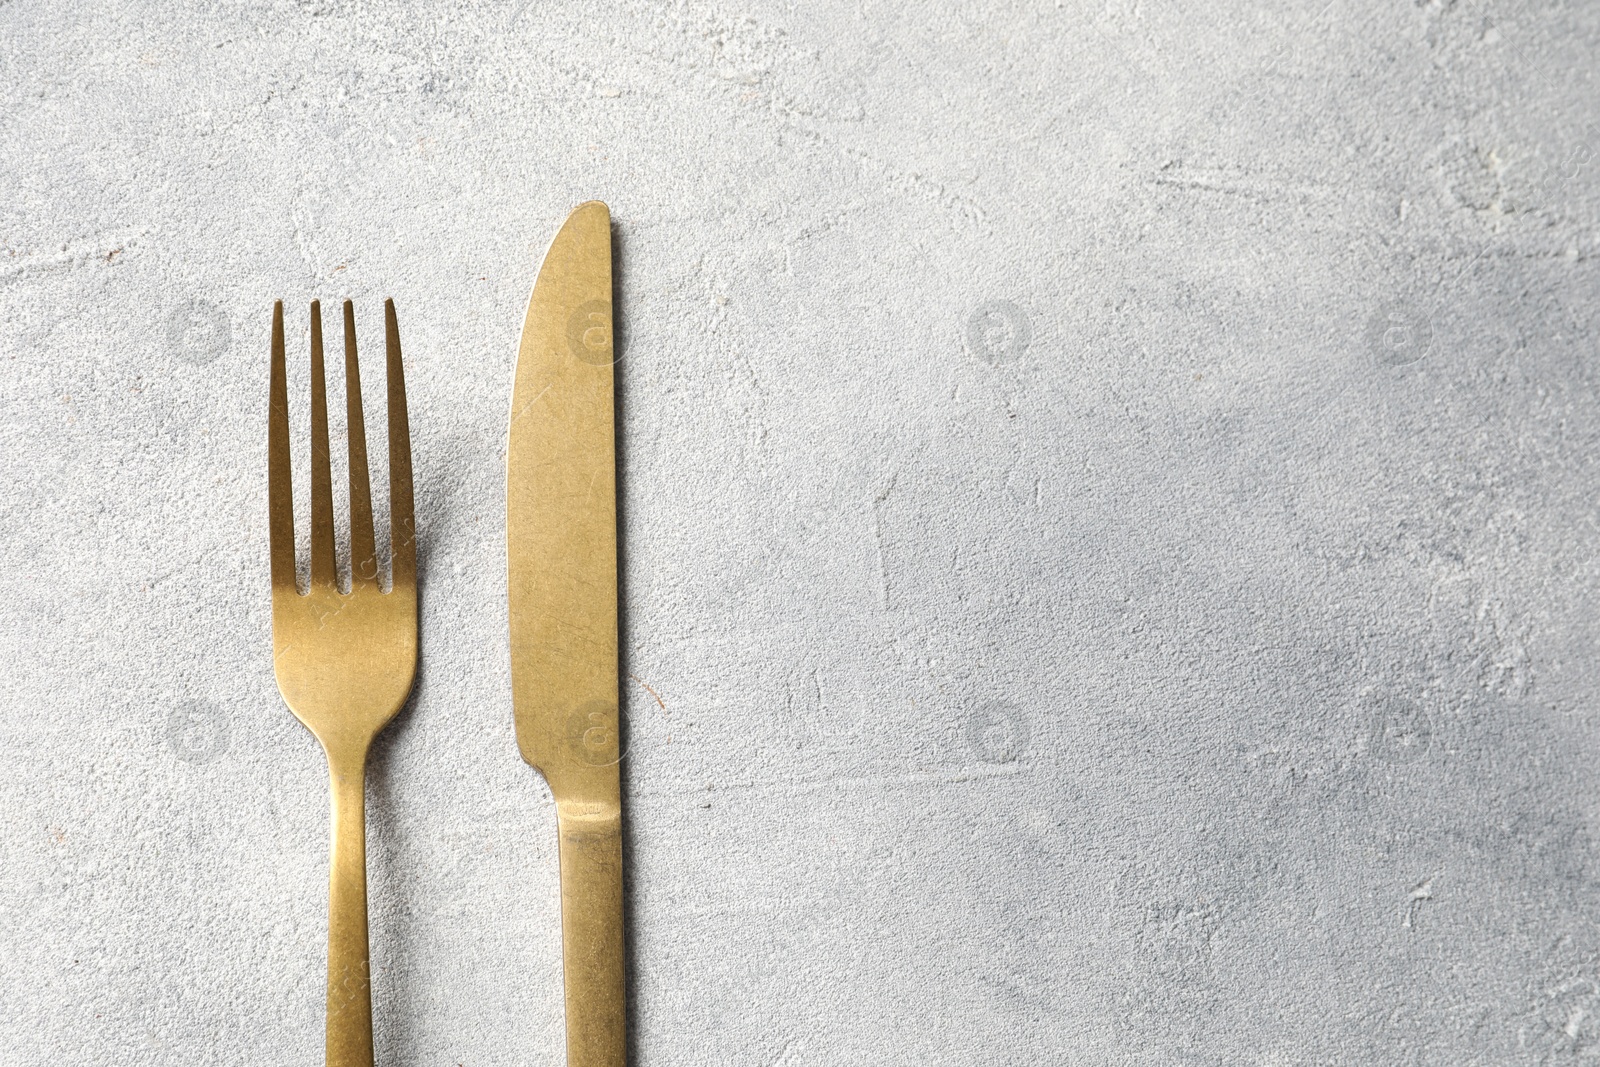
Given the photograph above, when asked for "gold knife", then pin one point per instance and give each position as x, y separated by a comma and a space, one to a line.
561, 542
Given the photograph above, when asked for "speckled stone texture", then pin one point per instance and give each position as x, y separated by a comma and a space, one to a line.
1109, 498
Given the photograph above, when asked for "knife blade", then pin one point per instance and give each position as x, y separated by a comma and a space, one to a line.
561, 541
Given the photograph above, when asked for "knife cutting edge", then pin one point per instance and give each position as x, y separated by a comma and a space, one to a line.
561, 540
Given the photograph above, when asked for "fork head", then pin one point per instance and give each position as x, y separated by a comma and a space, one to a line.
344, 661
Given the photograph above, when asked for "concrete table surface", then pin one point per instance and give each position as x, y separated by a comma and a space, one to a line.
1109, 503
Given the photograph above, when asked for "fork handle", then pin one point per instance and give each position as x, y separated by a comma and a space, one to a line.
349, 1033
591, 933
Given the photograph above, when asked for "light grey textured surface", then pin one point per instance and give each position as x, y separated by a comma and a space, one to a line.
1109, 493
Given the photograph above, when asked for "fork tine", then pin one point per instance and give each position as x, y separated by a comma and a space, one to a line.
280, 492
402, 520
363, 553
324, 569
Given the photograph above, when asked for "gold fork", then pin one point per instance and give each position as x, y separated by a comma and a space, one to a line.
344, 661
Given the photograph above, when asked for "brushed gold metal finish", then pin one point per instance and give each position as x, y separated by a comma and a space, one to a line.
344, 661
561, 533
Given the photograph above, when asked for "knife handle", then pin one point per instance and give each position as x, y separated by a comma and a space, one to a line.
591, 932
